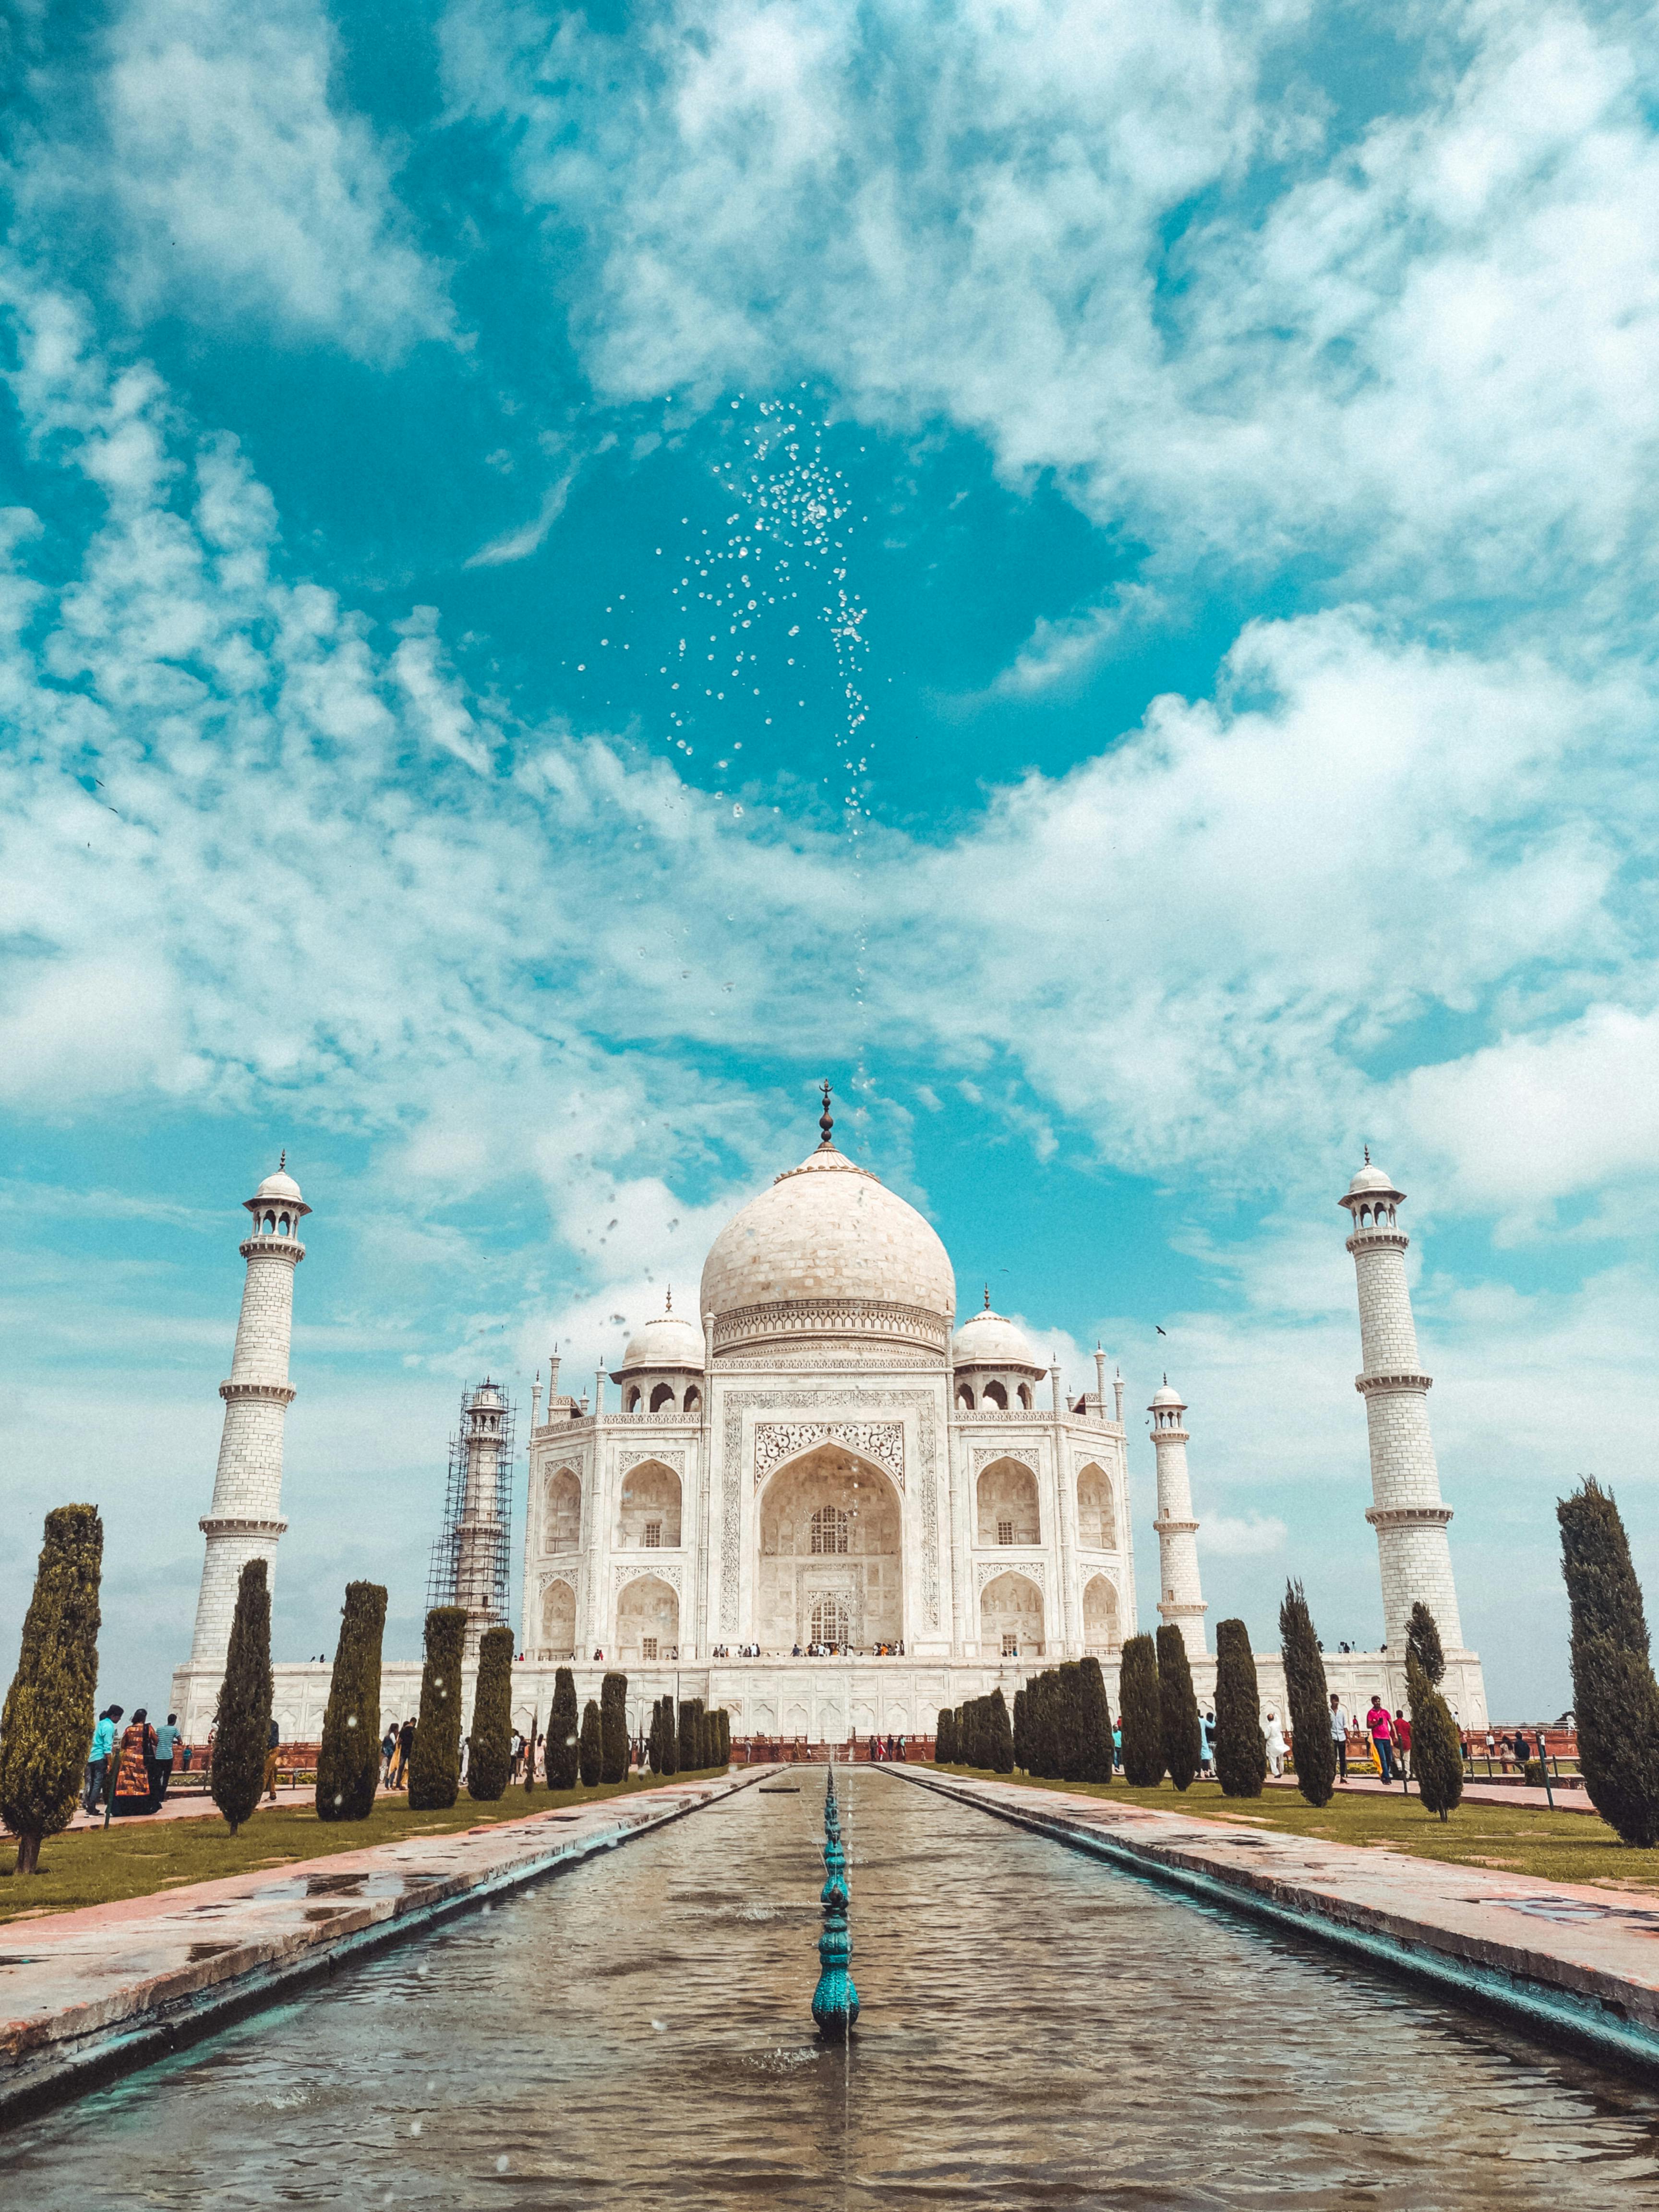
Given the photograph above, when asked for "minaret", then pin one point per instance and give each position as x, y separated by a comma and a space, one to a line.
246, 1517
1406, 1510
1182, 1600
481, 1533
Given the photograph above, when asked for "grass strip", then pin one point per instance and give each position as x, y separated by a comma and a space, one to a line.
140, 1857
1521, 1840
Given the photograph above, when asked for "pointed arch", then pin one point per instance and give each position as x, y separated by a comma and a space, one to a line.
648, 1508
1097, 1509
1006, 1497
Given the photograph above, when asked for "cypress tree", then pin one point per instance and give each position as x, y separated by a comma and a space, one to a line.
1436, 1754
490, 1746
1309, 1699
434, 1763
45, 1730
242, 1723
613, 1727
722, 1737
593, 1745
1040, 1727
944, 1735
1094, 1724
653, 1739
1022, 1749
688, 1735
1183, 1733
1241, 1750
670, 1738
1615, 1700
1069, 1704
999, 1735
1141, 1713
563, 1754
349, 1760
1423, 1638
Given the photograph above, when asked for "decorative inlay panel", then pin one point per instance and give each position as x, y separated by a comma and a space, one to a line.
737, 1402
630, 1460
855, 1317
1034, 1571
986, 1455
880, 1441
635, 1570
567, 1576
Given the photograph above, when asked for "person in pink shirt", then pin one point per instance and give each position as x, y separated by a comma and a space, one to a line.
1382, 1735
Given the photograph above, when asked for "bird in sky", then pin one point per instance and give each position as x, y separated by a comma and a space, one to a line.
1161, 1332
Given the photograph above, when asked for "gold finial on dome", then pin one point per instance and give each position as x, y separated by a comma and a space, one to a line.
825, 1142
283, 1161
987, 1298
668, 1307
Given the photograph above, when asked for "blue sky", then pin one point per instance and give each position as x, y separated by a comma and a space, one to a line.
1088, 574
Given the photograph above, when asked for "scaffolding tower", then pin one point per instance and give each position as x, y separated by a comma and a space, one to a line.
471, 1561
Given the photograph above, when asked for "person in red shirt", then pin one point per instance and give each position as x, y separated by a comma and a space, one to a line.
1381, 1730
1402, 1744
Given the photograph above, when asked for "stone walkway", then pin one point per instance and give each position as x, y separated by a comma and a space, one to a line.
1475, 1793
113, 1986
1573, 1962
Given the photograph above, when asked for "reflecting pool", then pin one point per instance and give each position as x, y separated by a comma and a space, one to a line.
1037, 2031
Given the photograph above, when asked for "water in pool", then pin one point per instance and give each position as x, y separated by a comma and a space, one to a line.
1037, 2031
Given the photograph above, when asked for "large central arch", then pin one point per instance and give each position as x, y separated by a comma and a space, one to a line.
831, 1538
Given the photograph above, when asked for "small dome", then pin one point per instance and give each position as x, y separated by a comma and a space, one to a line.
990, 1339
1166, 1396
1372, 1182
278, 1190
671, 1340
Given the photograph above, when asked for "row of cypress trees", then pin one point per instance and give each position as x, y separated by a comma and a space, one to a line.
977, 1734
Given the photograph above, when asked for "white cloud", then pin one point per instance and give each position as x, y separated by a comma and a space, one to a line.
249, 189
1062, 652
1231, 1536
518, 544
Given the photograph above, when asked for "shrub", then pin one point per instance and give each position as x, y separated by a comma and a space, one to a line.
722, 1737
613, 1728
1241, 1751
1141, 1712
1183, 1732
242, 1723
653, 1739
593, 1745
1040, 1736
45, 1730
564, 1751
944, 1738
434, 1763
1094, 1724
1614, 1695
1309, 1699
999, 1735
349, 1760
688, 1746
1068, 1719
490, 1746
1022, 1749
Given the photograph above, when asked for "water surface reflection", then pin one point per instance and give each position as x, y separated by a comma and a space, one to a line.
1036, 2031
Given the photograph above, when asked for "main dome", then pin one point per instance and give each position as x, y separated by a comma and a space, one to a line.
828, 1251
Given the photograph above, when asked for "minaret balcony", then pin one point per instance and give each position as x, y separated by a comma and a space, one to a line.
1372, 1240
1175, 1528
238, 1524
1408, 1516
273, 1394
283, 1248
1366, 1383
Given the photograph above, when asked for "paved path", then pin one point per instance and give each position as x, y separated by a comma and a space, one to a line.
1575, 1962
114, 1986
1475, 1793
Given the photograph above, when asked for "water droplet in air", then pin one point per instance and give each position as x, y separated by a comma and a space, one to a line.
414, 2127
501, 2163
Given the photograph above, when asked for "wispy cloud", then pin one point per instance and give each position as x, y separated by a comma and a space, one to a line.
518, 544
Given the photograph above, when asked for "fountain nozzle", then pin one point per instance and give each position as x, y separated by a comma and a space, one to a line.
836, 2000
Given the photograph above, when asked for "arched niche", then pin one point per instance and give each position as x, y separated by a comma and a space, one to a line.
562, 1511
1101, 1631
556, 1631
1011, 1616
1097, 1516
647, 1620
648, 1509
1007, 1498
830, 1530
662, 1399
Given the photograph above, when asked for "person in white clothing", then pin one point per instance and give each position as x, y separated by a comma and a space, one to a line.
1339, 1727
1276, 1745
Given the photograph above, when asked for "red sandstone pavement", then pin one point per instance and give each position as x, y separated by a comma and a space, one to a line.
1475, 1793
69, 1992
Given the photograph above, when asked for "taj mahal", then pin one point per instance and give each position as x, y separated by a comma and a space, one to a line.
821, 1501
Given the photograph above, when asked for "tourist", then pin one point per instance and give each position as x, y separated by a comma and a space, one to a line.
132, 1772
1275, 1738
185, 1756
1381, 1730
1522, 1756
1117, 1746
1339, 1726
1207, 1759
272, 1739
166, 1745
1402, 1744
388, 1755
405, 1746
901, 1750
99, 1758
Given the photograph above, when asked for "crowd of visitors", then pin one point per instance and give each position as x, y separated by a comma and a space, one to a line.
128, 1770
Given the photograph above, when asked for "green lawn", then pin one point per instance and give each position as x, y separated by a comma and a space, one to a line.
136, 1858
1516, 1838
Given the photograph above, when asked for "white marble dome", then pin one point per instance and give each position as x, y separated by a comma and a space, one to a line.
990, 1339
829, 1236
1369, 1181
279, 1190
669, 1340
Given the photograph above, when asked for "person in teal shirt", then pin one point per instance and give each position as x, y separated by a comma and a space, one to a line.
100, 1756
160, 1773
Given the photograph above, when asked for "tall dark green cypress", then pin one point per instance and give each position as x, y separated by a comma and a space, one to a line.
999, 1735
1307, 1699
670, 1738
653, 1739
490, 1746
434, 1763
592, 1746
1094, 1724
1436, 1753
722, 1737
1183, 1733
944, 1746
45, 1730
688, 1746
1141, 1712
242, 1724
348, 1759
1240, 1749
1071, 1721
1615, 1700
1022, 1748
613, 1727
564, 1733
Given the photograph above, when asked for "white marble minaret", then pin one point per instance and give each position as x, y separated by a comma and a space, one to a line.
246, 1518
1406, 1510
1181, 1601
